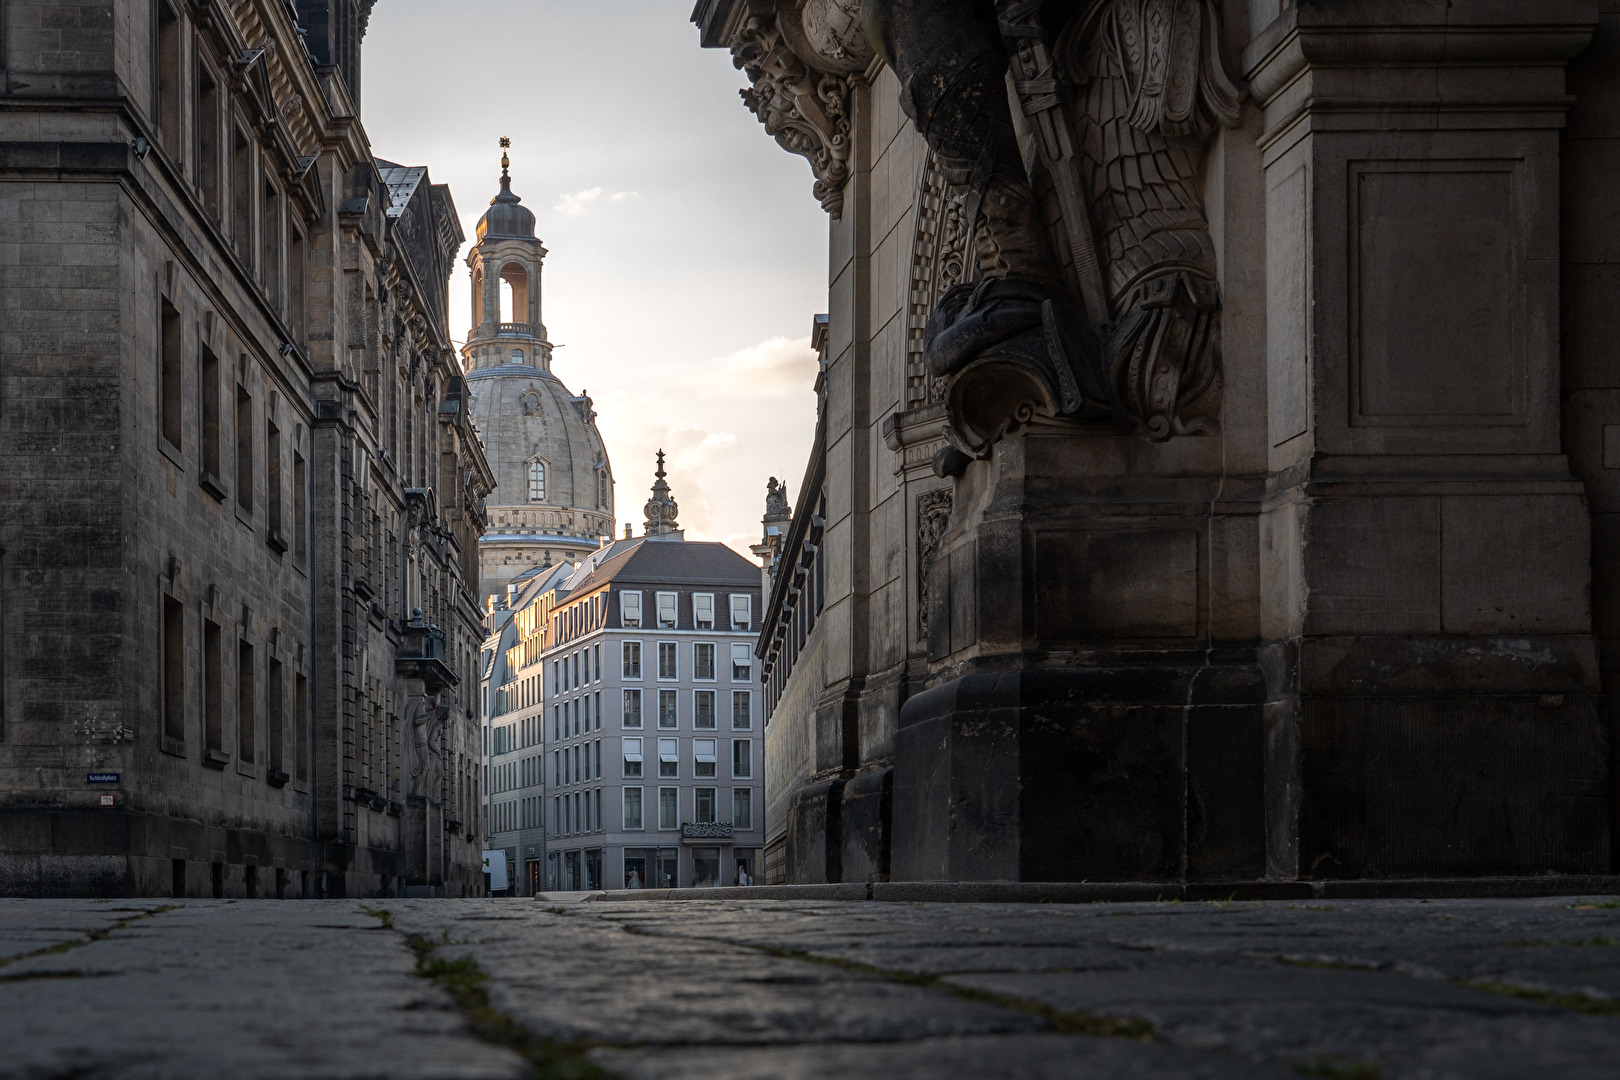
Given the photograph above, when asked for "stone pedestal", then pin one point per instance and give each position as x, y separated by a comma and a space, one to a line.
1434, 701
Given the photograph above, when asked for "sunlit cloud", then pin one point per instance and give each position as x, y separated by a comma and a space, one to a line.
777, 366
581, 202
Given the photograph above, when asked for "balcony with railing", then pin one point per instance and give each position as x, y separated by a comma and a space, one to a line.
696, 831
517, 329
423, 654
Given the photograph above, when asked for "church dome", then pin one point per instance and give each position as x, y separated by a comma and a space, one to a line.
505, 217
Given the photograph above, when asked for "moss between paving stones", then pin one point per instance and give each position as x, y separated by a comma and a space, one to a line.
468, 988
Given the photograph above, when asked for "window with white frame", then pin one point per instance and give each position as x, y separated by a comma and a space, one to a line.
632, 659
742, 758
668, 709
742, 808
703, 611
669, 808
537, 481
669, 758
742, 611
632, 808
704, 753
703, 709
703, 800
632, 708
630, 609
556, 766
666, 610
703, 660
668, 663
742, 661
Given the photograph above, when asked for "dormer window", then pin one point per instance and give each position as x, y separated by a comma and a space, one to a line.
537, 481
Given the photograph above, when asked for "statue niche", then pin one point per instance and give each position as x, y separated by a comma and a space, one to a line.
1089, 288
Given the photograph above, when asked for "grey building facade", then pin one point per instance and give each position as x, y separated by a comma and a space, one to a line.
642, 765
240, 491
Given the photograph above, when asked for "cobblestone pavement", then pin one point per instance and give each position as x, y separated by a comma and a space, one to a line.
1353, 990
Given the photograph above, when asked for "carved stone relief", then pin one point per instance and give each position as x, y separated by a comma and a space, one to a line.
933, 515
940, 243
804, 108
1091, 290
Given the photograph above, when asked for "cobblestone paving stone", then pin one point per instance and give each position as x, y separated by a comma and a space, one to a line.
1355, 990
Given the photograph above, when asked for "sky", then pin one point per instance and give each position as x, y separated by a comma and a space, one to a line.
687, 256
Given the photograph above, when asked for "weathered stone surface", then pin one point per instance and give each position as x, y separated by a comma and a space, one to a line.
1437, 990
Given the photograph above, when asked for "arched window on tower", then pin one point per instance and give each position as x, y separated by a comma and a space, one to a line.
601, 488
537, 481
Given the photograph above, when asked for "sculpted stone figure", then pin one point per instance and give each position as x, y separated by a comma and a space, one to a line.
1116, 99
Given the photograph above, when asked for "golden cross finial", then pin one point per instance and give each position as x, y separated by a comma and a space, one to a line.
505, 142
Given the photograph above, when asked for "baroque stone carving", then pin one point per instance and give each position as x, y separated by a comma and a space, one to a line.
941, 236
933, 515
1047, 322
804, 109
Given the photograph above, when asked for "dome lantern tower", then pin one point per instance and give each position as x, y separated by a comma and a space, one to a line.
553, 497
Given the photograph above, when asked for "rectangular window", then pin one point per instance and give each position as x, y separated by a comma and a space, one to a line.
632, 708
630, 608
599, 758
703, 711
556, 676
742, 717
666, 610
575, 673
168, 79
300, 523
632, 808
668, 710
587, 774
174, 669
246, 700
598, 653
208, 140
742, 661
703, 611
208, 413
170, 380
632, 660
703, 660
632, 757
742, 615
242, 193
574, 775
742, 808
301, 726
703, 800
244, 448
274, 718
669, 761
598, 710
667, 664
295, 283
587, 667
704, 756
742, 758
272, 476
669, 808
587, 709
270, 243
575, 710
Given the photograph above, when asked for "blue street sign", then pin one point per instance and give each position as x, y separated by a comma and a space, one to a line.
101, 778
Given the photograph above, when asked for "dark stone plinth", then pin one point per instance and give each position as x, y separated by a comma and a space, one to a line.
1129, 772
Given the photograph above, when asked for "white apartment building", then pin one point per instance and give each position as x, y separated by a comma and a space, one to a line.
623, 720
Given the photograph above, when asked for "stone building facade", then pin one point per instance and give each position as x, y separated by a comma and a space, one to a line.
241, 491
554, 494
1214, 477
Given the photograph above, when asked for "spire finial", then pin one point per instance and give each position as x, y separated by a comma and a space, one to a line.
661, 508
505, 162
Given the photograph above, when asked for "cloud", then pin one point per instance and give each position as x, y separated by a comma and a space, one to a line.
581, 202
776, 367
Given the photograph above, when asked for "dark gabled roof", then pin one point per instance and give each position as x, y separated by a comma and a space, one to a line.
673, 562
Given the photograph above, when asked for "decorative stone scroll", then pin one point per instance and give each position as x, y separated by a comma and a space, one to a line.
800, 57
